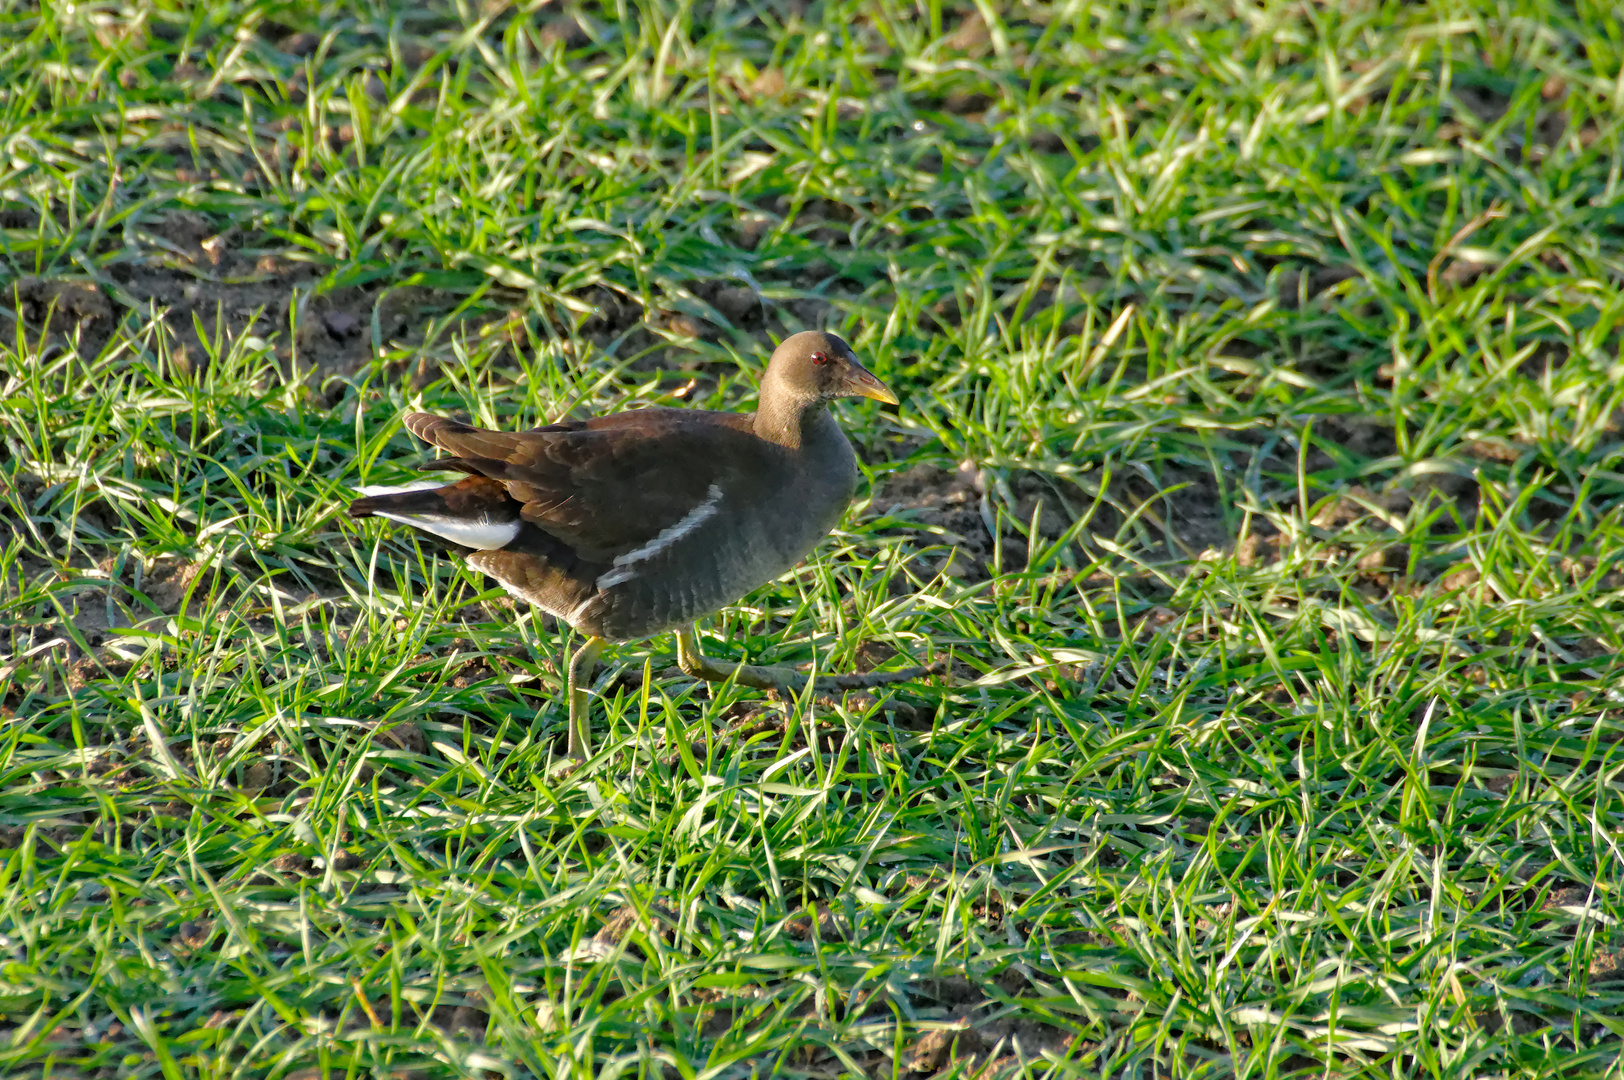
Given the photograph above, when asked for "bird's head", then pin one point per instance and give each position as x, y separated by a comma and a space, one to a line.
814, 366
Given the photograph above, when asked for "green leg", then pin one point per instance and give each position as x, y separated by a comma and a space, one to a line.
582, 665
697, 664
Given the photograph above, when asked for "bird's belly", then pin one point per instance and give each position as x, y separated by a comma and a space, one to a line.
709, 570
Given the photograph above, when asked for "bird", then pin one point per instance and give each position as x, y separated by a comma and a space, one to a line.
634, 523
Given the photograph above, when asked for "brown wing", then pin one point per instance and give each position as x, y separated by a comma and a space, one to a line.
611, 484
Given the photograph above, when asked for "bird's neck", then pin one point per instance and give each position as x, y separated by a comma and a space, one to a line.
791, 423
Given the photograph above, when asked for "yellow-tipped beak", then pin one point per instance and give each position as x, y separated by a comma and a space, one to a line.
864, 384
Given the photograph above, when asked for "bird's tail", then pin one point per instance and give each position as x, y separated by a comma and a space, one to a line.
475, 512
379, 501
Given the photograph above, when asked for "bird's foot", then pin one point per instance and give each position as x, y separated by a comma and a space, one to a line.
786, 680
699, 666
878, 678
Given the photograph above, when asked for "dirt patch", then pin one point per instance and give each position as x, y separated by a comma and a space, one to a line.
1301, 286
265, 303
959, 507
628, 924
404, 735
967, 1041
1369, 439
169, 582
62, 306
328, 332
1184, 513
936, 1047
954, 507
210, 283
674, 333
946, 504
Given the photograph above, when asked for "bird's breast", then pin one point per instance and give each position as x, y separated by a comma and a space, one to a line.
738, 545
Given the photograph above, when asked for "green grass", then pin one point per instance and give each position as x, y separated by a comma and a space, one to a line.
1260, 465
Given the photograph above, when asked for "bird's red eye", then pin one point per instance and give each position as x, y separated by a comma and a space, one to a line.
820, 358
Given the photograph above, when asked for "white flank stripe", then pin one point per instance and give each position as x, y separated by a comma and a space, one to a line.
579, 610
481, 533
624, 571
384, 489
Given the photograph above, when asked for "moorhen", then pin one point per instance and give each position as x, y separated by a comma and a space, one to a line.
642, 521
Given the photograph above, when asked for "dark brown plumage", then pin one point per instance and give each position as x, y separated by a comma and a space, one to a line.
638, 522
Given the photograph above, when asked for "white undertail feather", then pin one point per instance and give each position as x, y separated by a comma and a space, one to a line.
384, 489
481, 533
624, 565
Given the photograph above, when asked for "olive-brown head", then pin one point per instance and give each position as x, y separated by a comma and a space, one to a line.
816, 367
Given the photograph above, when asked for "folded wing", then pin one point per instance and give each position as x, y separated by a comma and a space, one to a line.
613, 485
